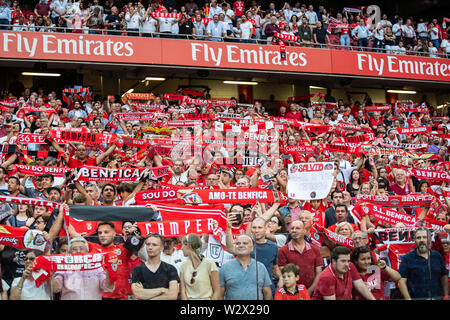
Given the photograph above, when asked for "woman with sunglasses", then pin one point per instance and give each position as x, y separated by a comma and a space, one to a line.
24, 288
199, 277
277, 230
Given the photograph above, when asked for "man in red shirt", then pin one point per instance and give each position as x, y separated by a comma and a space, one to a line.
81, 157
303, 254
294, 112
238, 8
337, 281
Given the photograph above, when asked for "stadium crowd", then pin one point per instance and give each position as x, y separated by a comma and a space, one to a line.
390, 175
297, 23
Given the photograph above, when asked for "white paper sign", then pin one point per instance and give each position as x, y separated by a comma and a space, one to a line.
310, 180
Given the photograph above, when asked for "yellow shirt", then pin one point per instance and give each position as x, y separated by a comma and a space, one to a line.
201, 289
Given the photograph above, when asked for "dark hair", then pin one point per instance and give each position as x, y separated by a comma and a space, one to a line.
48, 175
124, 187
111, 185
341, 205
339, 250
351, 177
337, 191
15, 178
109, 223
61, 241
282, 224
5, 172
357, 252
290, 267
155, 235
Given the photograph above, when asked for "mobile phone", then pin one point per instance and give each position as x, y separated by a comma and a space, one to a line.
238, 218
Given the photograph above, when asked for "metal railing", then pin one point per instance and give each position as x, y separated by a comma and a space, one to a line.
141, 33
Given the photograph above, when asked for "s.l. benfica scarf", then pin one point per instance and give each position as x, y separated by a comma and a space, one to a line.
30, 201
350, 127
146, 107
33, 170
411, 200
137, 96
239, 196
135, 116
22, 238
384, 214
72, 262
413, 130
377, 108
430, 175
359, 138
91, 173
337, 238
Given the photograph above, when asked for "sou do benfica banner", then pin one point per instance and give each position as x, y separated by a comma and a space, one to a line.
310, 181
40, 170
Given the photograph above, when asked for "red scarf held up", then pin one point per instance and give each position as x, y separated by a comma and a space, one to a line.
337, 238
22, 238
177, 228
73, 262
239, 196
33, 170
91, 173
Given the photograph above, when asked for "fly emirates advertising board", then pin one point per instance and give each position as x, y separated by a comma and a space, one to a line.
222, 55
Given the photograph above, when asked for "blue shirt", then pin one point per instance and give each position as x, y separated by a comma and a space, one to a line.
362, 31
266, 253
216, 29
240, 284
5, 13
415, 269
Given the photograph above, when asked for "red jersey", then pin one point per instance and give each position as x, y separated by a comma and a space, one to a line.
76, 163
372, 281
300, 293
239, 8
318, 215
123, 284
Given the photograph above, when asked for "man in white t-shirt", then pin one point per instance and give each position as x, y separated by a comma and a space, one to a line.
246, 29
171, 255
133, 19
165, 25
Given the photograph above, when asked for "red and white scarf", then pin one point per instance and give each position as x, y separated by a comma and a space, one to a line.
91, 173
33, 170
22, 238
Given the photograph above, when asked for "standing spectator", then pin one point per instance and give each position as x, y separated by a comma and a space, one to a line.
246, 30
445, 46
59, 9
42, 9
165, 25
362, 34
363, 260
423, 271
5, 15
238, 8
409, 35
81, 285
271, 28
191, 7
432, 50
389, 40
238, 276
113, 21
133, 20
378, 38
397, 29
171, 254
305, 32
214, 9
303, 254
186, 27
95, 22
228, 15
345, 33
339, 279
312, 17
434, 36
265, 251
422, 30
199, 26
154, 279
149, 23
215, 29
199, 276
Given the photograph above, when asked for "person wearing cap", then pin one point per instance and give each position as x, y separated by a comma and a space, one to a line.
199, 276
226, 179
